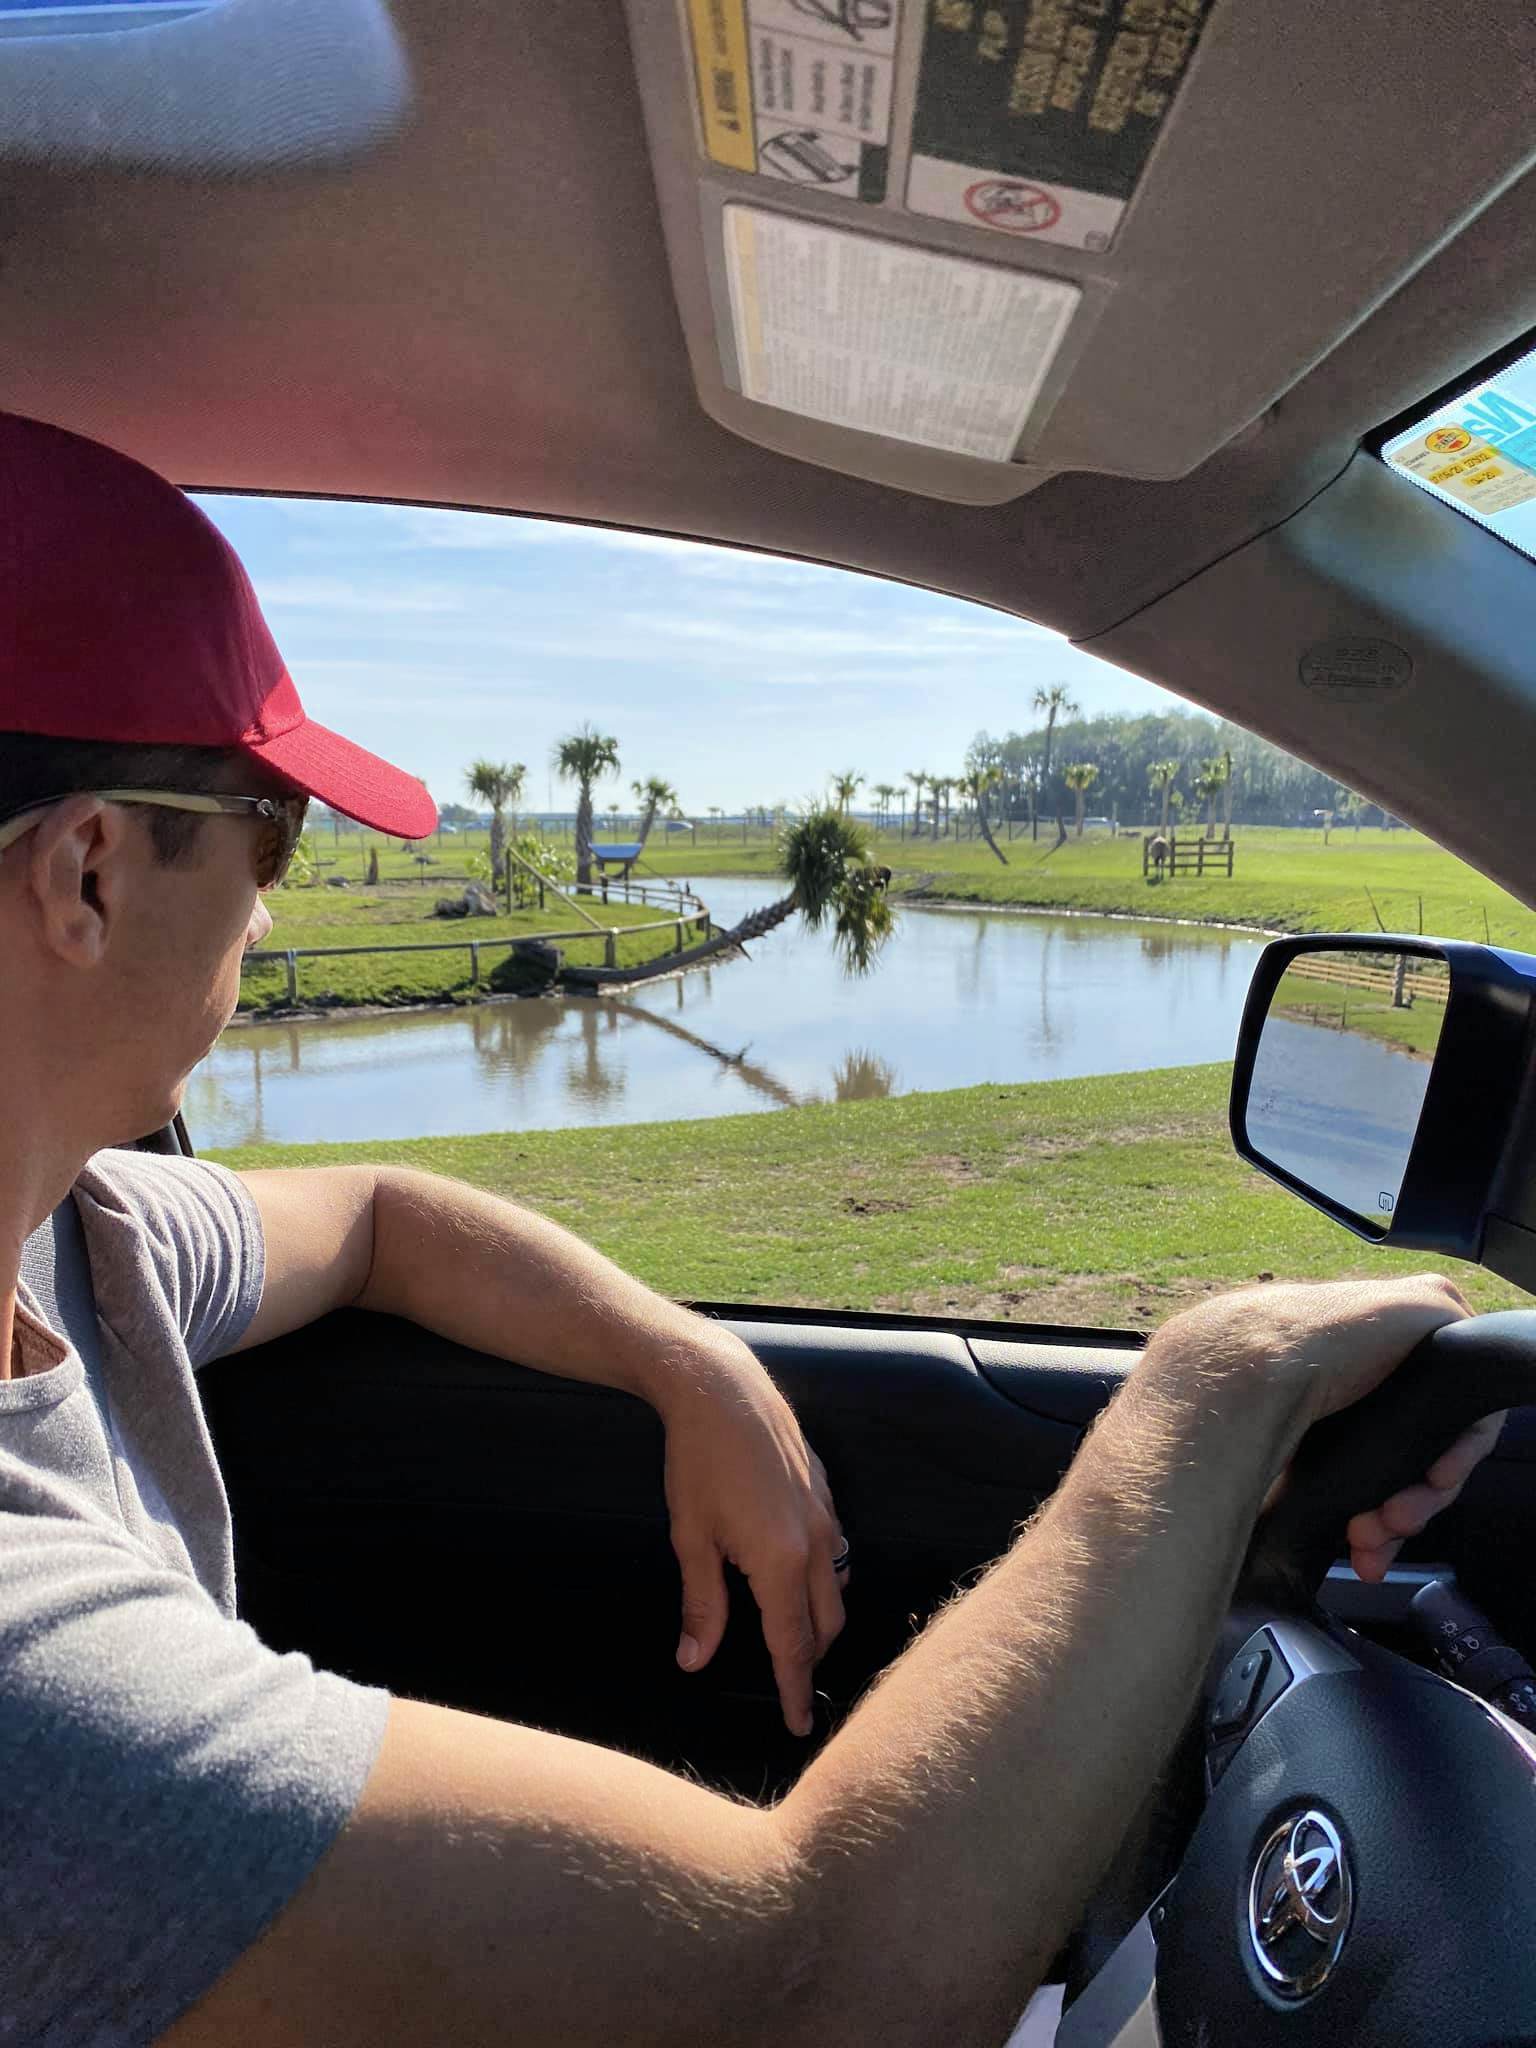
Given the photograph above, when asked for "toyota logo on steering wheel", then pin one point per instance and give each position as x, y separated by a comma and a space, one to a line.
1299, 1903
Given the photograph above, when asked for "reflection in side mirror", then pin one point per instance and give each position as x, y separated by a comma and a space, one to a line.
1340, 1073
1391, 1082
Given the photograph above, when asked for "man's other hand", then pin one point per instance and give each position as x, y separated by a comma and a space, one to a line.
744, 1487
1342, 1339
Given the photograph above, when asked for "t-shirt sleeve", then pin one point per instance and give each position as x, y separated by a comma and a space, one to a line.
202, 1233
169, 1783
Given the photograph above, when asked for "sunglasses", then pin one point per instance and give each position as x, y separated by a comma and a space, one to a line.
281, 819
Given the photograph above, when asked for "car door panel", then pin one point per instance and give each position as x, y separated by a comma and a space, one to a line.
468, 1530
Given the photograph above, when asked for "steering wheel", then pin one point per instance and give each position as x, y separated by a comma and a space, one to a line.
1364, 1870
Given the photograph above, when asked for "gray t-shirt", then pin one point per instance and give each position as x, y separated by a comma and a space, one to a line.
166, 1781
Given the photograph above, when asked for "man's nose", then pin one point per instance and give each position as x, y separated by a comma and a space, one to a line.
259, 926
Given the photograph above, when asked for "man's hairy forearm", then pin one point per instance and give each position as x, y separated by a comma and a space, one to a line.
964, 1813
501, 1279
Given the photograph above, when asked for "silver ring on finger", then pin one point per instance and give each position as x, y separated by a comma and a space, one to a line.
840, 1561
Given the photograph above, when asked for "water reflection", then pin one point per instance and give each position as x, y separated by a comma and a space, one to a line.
588, 1081
863, 1077
959, 998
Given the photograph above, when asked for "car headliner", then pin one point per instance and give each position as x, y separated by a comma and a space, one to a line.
480, 312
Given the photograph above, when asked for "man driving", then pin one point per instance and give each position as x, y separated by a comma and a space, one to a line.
207, 1842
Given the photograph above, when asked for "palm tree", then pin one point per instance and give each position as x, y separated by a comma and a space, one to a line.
885, 793
1056, 702
833, 879
581, 758
845, 788
1080, 778
919, 783
655, 797
1209, 783
978, 785
1162, 775
497, 783
938, 790
1226, 794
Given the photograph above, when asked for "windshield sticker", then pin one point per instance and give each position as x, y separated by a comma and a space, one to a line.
1479, 452
798, 90
1035, 118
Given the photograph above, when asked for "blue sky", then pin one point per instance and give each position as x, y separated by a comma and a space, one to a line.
436, 636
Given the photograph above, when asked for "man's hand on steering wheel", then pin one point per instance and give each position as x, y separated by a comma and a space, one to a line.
1346, 1337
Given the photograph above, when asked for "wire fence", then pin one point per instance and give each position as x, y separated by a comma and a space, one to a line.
288, 958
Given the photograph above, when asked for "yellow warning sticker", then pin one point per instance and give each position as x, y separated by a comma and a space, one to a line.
723, 68
1471, 471
798, 90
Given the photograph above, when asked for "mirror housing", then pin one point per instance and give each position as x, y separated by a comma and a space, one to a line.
1468, 1180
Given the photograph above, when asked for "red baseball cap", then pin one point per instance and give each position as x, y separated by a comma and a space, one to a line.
126, 616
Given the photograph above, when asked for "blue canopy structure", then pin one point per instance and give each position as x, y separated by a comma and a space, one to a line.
617, 856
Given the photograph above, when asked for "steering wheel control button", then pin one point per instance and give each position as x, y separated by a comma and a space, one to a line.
1300, 1898
1233, 1704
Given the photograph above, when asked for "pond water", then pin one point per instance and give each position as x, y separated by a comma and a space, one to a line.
959, 998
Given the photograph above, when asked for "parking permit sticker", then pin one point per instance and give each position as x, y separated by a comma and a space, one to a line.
1478, 452
1468, 469
939, 351
1035, 118
798, 90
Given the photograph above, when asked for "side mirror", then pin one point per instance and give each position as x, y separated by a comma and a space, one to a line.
1390, 1082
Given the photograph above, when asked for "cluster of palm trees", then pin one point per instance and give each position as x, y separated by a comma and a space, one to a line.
979, 784
584, 758
1211, 783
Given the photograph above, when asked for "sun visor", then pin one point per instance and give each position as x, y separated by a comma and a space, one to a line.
959, 245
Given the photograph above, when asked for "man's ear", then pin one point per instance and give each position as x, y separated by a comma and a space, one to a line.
76, 872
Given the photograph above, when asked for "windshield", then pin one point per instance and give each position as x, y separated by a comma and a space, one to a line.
1478, 452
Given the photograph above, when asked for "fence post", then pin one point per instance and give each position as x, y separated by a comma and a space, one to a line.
291, 961
610, 949
680, 940
474, 963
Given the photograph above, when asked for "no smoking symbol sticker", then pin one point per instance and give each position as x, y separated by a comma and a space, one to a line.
1004, 203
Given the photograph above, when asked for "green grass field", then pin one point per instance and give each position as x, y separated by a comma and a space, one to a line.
1283, 880
1110, 1201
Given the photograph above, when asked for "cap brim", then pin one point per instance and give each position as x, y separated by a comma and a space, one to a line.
358, 784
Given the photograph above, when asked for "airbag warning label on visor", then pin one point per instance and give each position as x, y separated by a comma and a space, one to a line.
798, 90
1036, 117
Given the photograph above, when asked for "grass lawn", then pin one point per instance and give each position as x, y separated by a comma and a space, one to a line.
399, 914
1109, 1201
1283, 880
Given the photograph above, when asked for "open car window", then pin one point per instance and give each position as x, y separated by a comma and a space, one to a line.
597, 989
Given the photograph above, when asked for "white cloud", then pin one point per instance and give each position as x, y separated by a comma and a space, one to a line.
337, 594
795, 638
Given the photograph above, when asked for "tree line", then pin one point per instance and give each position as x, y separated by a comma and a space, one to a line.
1167, 767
